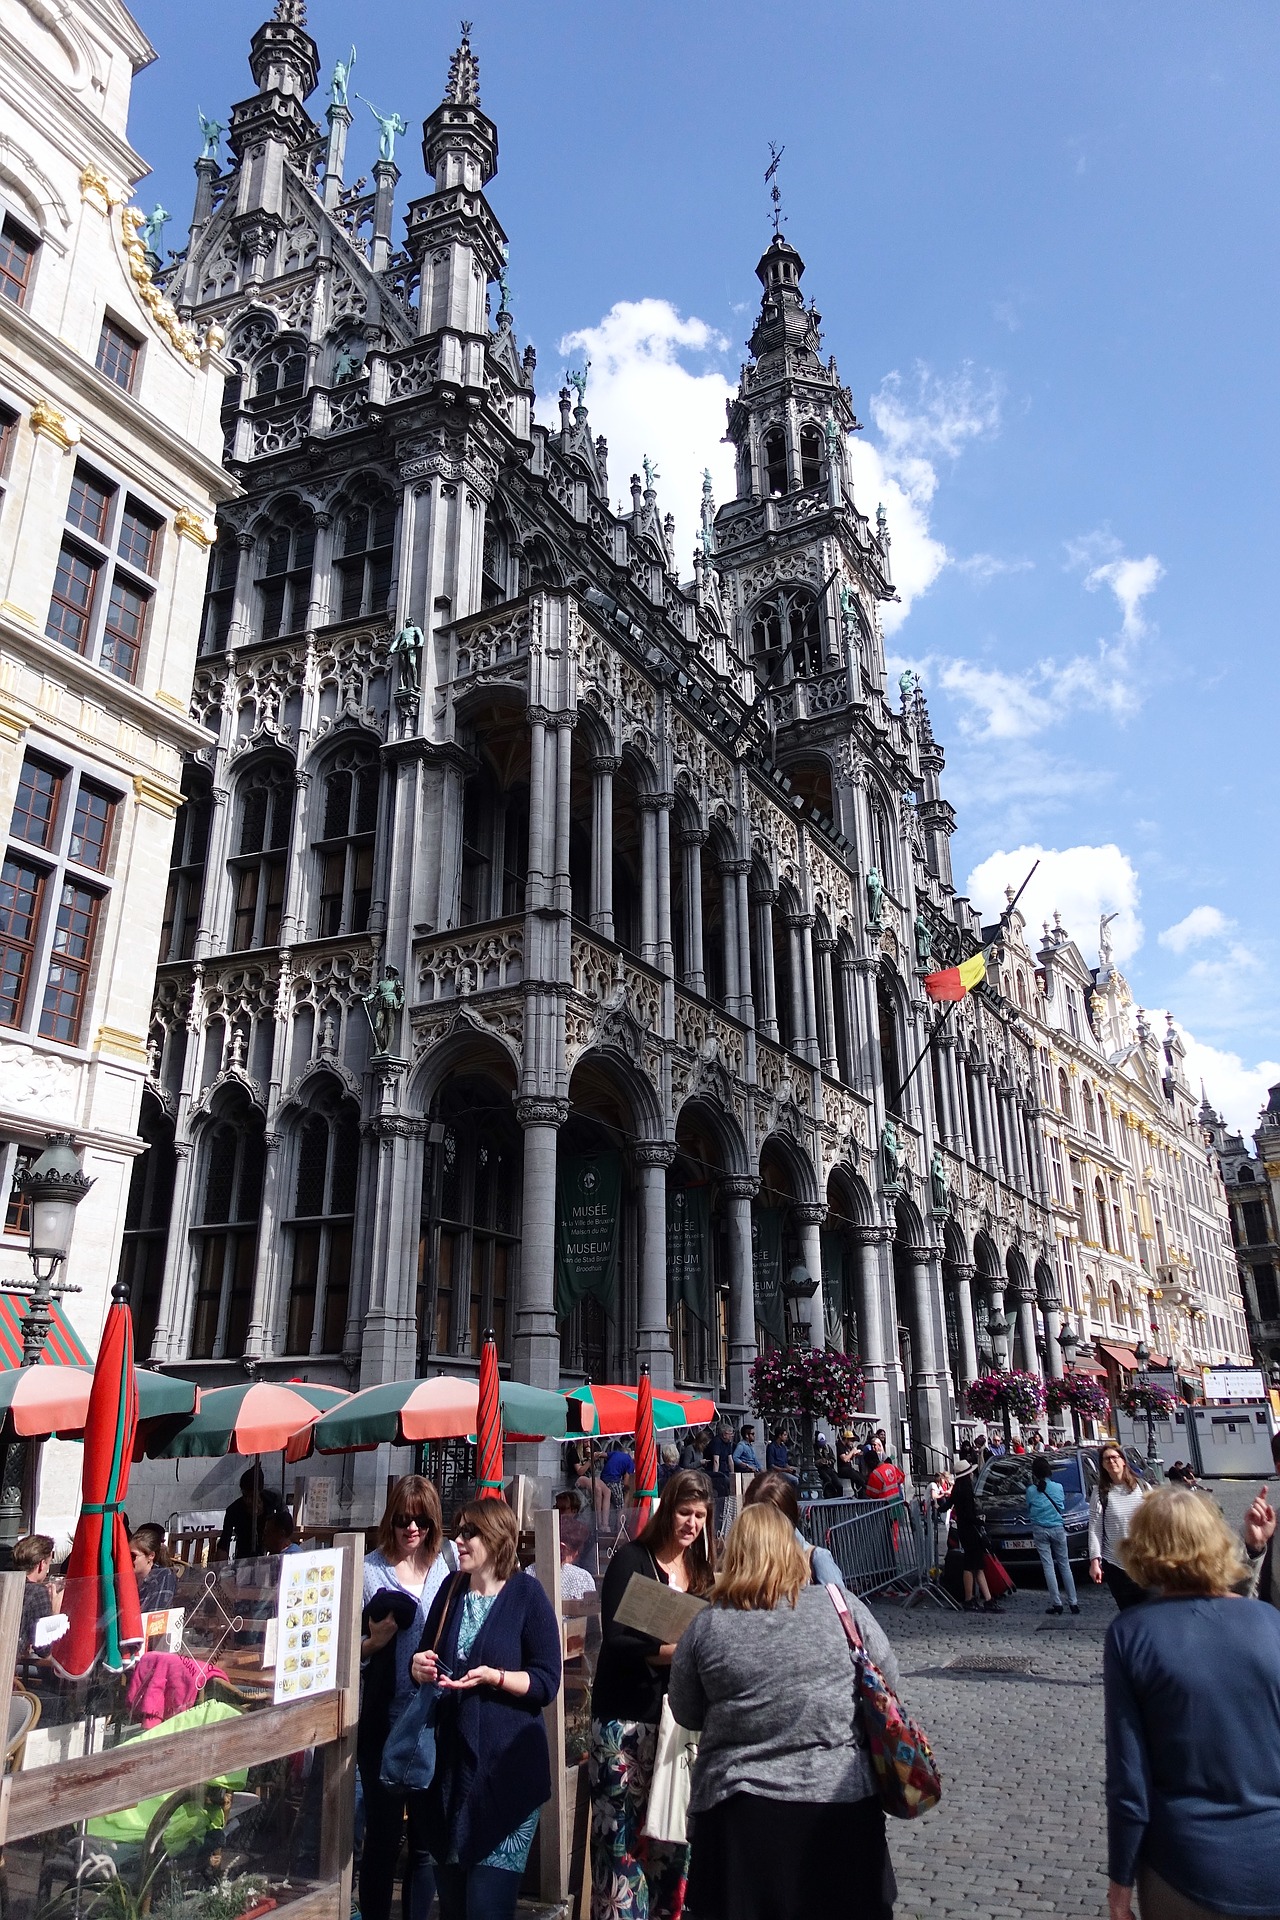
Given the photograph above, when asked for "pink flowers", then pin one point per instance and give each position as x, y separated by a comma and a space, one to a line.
799, 1380
1138, 1401
1081, 1391
1019, 1394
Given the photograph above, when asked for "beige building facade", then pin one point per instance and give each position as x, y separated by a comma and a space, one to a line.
110, 471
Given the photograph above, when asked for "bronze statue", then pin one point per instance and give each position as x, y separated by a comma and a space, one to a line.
924, 940
212, 131
382, 1004
891, 1153
390, 124
875, 898
341, 79
406, 650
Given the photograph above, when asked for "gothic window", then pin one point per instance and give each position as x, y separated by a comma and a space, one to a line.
1245, 1173
493, 562
146, 1222
773, 454
345, 844
320, 1228
261, 856
281, 374
811, 456
881, 842
220, 593
788, 623
495, 848
186, 871
890, 1054
364, 556
286, 552
226, 1239
471, 1224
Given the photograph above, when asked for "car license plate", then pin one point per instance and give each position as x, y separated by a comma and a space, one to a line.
1017, 1546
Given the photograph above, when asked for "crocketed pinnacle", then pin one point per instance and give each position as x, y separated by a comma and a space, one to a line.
462, 88
291, 13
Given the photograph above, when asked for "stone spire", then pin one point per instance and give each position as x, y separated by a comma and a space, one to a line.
462, 88
285, 63
291, 13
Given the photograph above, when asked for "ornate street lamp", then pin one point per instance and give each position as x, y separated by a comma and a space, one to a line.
1142, 1354
1000, 1326
1069, 1340
798, 1287
53, 1188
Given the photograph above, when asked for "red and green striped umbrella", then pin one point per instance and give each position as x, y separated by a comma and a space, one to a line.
402, 1413
37, 1403
101, 1599
612, 1410
255, 1416
646, 1446
489, 1423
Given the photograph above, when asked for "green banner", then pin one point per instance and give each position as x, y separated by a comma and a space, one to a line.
833, 1289
689, 1251
766, 1264
588, 1190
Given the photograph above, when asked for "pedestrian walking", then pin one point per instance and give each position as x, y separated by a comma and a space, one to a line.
402, 1576
1046, 1506
1116, 1499
492, 1646
787, 1822
1192, 1694
974, 1545
633, 1878
616, 1475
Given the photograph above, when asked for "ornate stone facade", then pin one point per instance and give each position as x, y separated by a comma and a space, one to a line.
1252, 1182
656, 864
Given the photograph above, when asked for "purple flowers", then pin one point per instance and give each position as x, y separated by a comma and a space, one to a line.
1138, 1401
799, 1380
1021, 1395
1082, 1391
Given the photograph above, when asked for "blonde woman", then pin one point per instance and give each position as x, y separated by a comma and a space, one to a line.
1116, 1499
1192, 1692
787, 1823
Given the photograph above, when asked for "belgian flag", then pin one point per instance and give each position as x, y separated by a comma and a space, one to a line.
954, 982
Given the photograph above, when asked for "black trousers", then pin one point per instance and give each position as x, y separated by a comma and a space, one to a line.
758, 1859
1124, 1591
384, 1817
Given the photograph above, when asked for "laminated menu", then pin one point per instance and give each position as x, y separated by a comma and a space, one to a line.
306, 1637
648, 1606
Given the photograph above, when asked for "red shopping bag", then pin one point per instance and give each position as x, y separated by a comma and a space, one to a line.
998, 1579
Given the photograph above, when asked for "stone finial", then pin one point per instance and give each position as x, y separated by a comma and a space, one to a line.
291, 13
462, 88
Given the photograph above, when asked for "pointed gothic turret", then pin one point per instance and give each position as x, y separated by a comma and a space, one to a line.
274, 122
454, 234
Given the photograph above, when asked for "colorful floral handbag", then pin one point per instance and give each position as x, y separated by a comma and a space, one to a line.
907, 1778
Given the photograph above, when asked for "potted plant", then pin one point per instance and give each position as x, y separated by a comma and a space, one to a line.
1015, 1396
806, 1384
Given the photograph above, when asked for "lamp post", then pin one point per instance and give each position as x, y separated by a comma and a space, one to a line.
1000, 1326
1069, 1340
53, 1187
799, 1287
1142, 1354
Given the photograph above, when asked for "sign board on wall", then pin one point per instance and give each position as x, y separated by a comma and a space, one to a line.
1233, 1383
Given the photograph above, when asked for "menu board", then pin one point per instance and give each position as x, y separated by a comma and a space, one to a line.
307, 1625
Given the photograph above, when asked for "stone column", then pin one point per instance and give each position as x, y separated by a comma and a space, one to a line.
536, 1351
648, 880
797, 985
692, 841
603, 768
931, 1387
746, 1005
809, 1218
830, 1058
564, 763
875, 1341
1051, 1308
1027, 1329
662, 833
536, 882
766, 1001
809, 1045
963, 1285
738, 1191
848, 973
729, 913
653, 1157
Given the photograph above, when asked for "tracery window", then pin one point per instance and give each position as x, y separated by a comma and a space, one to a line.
286, 553
146, 1221
773, 454
811, 456
789, 622
220, 593
259, 864
320, 1228
345, 844
186, 872
495, 848
364, 556
281, 374
470, 1230
226, 1239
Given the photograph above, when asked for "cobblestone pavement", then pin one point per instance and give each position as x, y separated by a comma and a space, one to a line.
1021, 1828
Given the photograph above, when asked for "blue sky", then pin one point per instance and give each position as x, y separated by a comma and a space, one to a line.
1043, 239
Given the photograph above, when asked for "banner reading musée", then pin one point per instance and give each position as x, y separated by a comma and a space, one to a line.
588, 1191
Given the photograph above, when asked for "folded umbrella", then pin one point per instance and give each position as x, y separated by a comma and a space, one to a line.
489, 1423
646, 1446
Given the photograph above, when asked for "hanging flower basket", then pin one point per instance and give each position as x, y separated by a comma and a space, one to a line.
792, 1381
1138, 1401
1020, 1395
1080, 1391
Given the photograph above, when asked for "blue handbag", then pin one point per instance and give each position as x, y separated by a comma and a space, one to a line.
409, 1755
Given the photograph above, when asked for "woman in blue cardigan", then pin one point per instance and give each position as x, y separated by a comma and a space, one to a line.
492, 1646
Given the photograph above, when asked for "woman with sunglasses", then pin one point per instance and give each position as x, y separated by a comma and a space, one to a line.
492, 1646
402, 1576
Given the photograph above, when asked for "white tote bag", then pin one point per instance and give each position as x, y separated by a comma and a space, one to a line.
667, 1817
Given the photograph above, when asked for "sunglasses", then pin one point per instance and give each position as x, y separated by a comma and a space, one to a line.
406, 1520
467, 1533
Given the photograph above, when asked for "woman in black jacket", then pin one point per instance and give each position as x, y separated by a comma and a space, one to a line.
492, 1646
973, 1535
632, 1877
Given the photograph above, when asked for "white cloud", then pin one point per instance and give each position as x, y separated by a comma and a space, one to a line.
1131, 581
646, 399
1235, 1090
934, 421
1080, 883
983, 567
1202, 923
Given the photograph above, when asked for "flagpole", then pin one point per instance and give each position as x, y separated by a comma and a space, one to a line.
942, 1019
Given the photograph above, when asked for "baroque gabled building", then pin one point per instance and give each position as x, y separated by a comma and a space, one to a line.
110, 469
547, 930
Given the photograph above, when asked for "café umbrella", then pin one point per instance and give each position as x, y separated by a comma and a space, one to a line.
47, 1402
646, 1444
612, 1410
252, 1417
489, 1423
101, 1598
403, 1413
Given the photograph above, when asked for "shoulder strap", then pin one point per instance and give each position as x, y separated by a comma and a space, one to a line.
847, 1620
454, 1586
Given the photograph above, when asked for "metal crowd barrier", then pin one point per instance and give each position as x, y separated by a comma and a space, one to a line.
882, 1546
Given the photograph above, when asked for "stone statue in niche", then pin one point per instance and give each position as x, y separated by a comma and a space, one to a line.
406, 650
891, 1155
938, 1182
875, 898
924, 941
328, 1035
383, 1004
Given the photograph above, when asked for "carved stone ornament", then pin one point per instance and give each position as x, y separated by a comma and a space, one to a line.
97, 190
739, 1186
55, 425
653, 1153
534, 1111
163, 312
193, 526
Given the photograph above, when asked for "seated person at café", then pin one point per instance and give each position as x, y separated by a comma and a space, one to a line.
243, 1520
278, 1532
33, 1556
156, 1575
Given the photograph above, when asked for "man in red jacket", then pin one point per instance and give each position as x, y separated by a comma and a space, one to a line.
886, 1482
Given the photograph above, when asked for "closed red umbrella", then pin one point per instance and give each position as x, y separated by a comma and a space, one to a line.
489, 1424
101, 1599
646, 1446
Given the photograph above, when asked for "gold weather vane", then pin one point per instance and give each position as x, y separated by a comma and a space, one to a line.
775, 192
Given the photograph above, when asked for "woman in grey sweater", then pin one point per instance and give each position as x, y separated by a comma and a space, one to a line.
786, 1821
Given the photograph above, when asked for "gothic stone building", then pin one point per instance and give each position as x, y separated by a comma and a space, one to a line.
1253, 1192
657, 864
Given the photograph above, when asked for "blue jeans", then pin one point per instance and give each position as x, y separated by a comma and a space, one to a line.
477, 1893
1051, 1545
